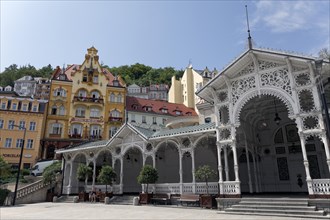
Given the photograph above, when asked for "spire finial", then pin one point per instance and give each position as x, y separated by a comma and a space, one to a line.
248, 26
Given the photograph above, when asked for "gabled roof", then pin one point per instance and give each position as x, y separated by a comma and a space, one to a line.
145, 134
135, 104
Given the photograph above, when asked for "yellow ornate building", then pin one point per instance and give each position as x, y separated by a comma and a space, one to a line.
86, 103
17, 113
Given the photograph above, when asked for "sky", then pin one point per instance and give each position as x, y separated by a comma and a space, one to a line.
157, 33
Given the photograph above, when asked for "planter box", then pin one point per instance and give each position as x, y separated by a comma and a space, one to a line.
145, 198
207, 201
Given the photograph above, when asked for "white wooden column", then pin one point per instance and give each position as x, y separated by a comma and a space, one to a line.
219, 149
180, 172
225, 155
304, 153
192, 152
94, 173
70, 178
233, 146
326, 148
154, 161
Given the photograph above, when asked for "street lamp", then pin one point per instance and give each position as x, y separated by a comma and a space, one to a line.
318, 66
20, 161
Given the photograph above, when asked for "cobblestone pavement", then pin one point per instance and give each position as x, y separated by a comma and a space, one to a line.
101, 211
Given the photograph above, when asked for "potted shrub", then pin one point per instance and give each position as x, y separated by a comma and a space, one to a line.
107, 176
50, 176
83, 173
204, 173
147, 175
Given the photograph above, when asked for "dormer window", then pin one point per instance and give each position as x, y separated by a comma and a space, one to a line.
134, 106
178, 112
189, 113
84, 77
115, 82
164, 110
147, 108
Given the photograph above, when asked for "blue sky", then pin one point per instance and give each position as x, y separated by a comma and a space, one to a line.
156, 33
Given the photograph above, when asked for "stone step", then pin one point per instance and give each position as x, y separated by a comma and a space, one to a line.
275, 202
276, 207
277, 214
280, 199
277, 211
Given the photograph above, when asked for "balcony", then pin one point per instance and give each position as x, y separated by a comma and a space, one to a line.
76, 136
54, 135
115, 120
88, 99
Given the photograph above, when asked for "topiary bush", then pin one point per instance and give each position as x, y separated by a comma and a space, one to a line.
147, 175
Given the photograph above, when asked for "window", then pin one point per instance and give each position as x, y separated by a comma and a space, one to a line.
62, 110
32, 126
14, 106
60, 92
119, 98
112, 131
29, 144
115, 114
54, 110
11, 124
8, 142
208, 120
95, 95
112, 97
56, 128
95, 131
178, 112
95, 113
3, 105
25, 107
85, 77
80, 112
164, 110
133, 118
21, 125
76, 129
143, 119
164, 121
1, 123
82, 93
19, 143
35, 108
154, 120
96, 79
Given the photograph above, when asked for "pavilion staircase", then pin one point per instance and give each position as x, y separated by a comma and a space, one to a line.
123, 200
288, 207
66, 199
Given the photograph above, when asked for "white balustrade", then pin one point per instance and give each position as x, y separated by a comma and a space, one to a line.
30, 188
320, 186
173, 188
212, 186
231, 188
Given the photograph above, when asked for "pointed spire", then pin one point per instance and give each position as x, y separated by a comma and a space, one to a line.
248, 26
63, 69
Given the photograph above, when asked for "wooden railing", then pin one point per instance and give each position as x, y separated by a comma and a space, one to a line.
88, 99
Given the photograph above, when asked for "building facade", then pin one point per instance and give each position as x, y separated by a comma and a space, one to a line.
152, 92
183, 91
268, 136
156, 115
86, 103
42, 88
25, 86
17, 113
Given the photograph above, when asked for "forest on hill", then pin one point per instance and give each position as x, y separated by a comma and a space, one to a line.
139, 74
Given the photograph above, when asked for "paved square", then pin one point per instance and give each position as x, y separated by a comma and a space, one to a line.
100, 211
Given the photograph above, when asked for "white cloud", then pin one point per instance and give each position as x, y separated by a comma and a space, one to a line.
285, 16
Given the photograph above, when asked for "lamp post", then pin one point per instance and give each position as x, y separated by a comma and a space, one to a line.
318, 65
20, 161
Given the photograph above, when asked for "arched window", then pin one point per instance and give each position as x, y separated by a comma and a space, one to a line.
95, 131
82, 93
119, 98
95, 94
62, 110
115, 114
56, 128
112, 98
80, 112
60, 92
95, 113
54, 110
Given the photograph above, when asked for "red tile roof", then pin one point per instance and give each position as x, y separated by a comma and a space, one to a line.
139, 105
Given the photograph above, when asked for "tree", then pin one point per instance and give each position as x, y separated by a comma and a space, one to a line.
5, 170
324, 53
107, 176
84, 172
205, 173
50, 172
147, 175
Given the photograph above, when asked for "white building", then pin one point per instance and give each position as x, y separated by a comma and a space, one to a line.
25, 86
152, 92
268, 135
